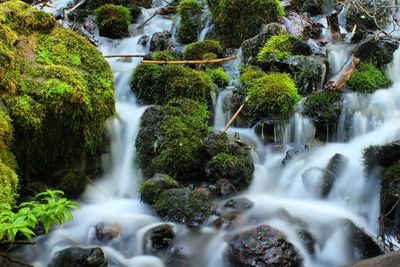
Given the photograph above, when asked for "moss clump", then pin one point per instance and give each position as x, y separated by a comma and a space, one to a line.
238, 20
170, 138
391, 178
163, 56
190, 12
324, 106
73, 183
272, 95
8, 177
250, 74
157, 84
368, 79
113, 21
278, 48
184, 206
151, 189
58, 90
203, 50
218, 76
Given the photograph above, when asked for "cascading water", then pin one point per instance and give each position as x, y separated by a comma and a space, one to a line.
279, 191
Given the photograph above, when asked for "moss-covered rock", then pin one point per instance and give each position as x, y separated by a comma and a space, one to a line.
157, 84
279, 48
238, 20
56, 86
150, 190
93, 4
368, 79
323, 106
360, 14
73, 183
219, 77
313, 7
184, 206
190, 13
271, 96
198, 50
170, 139
113, 21
163, 56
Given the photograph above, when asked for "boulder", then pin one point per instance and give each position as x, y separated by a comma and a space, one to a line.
263, 246
79, 257
106, 231
151, 189
384, 155
332, 171
364, 245
293, 152
158, 239
113, 21
391, 259
161, 41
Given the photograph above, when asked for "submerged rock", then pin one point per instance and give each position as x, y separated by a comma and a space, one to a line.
293, 152
364, 245
332, 171
161, 41
158, 239
263, 246
106, 231
79, 257
391, 259
150, 190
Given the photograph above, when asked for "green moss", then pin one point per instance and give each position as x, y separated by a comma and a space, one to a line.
184, 206
272, 95
238, 20
190, 13
57, 88
250, 74
198, 50
163, 56
73, 183
324, 106
113, 20
218, 76
9, 183
157, 84
170, 138
368, 79
151, 189
279, 47
391, 177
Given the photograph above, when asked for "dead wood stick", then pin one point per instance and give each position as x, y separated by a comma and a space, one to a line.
90, 181
155, 14
234, 117
338, 81
218, 60
126, 56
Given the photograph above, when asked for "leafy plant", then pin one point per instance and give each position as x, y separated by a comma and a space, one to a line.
47, 208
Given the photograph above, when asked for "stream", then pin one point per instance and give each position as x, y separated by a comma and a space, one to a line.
277, 190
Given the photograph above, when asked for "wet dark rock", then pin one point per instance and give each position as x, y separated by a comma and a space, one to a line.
391, 259
262, 246
359, 14
308, 240
151, 189
79, 257
158, 239
161, 41
308, 73
73, 183
332, 171
384, 155
238, 204
144, 40
9, 260
184, 206
365, 246
226, 188
252, 46
106, 232
313, 7
377, 49
313, 30
293, 152
230, 211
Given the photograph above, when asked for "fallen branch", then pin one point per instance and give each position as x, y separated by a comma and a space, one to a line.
339, 80
155, 14
217, 60
124, 56
90, 181
234, 117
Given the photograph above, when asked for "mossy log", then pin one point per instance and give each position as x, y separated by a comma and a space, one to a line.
339, 80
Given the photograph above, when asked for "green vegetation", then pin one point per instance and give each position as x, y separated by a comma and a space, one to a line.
368, 79
323, 106
170, 138
218, 76
391, 178
250, 74
238, 20
184, 206
272, 95
163, 56
190, 12
113, 20
157, 84
279, 47
203, 50
56, 87
151, 189
46, 209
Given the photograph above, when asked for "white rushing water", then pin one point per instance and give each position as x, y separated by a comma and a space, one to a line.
293, 189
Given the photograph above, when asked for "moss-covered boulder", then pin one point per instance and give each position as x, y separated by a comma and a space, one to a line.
367, 79
72, 183
238, 20
219, 77
273, 95
200, 50
360, 14
313, 7
8, 176
157, 84
170, 139
56, 86
184, 206
324, 109
113, 21
190, 13
150, 190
